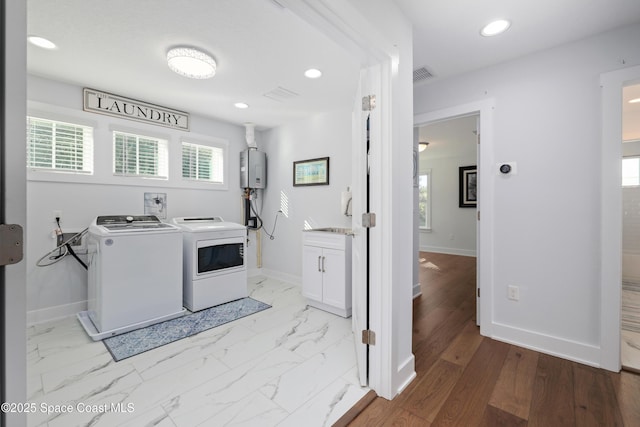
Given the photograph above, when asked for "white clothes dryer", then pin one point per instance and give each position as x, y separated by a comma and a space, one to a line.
215, 270
135, 274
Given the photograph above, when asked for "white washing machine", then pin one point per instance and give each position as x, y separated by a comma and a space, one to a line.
135, 274
215, 270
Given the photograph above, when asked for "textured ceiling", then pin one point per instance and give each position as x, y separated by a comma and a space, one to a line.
120, 46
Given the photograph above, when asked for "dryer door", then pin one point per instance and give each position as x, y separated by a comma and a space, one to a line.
217, 256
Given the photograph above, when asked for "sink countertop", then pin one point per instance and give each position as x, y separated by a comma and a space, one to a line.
335, 230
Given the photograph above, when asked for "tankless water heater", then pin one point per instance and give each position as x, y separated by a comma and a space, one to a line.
253, 169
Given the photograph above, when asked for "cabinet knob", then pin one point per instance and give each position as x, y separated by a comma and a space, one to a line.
323, 270
319, 263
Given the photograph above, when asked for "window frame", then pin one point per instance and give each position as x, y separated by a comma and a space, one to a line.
427, 225
213, 148
633, 157
88, 140
213, 142
162, 161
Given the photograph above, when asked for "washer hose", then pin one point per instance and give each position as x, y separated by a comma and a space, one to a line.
63, 250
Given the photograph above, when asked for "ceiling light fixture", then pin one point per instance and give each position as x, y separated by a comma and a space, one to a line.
41, 42
241, 105
422, 145
496, 27
192, 63
634, 101
312, 73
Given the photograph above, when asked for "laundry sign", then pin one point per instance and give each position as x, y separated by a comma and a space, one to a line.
96, 101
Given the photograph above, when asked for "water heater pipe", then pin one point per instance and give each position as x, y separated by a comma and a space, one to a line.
258, 249
250, 136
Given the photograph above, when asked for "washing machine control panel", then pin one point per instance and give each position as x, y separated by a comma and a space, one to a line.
116, 223
126, 219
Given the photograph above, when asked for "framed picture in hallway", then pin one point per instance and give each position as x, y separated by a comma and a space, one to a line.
468, 195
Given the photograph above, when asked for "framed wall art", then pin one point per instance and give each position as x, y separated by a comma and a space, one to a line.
311, 172
468, 196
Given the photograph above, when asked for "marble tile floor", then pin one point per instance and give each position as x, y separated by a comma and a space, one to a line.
290, 365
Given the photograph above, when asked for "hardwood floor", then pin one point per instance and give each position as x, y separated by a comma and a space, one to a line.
465, 379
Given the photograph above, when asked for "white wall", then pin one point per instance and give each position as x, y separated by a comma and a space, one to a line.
547, 119
323, 135
61, 289
452, 144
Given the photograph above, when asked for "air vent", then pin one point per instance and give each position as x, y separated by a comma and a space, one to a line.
421, 74
280, 94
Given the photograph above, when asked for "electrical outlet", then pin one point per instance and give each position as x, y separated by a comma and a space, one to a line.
513, 293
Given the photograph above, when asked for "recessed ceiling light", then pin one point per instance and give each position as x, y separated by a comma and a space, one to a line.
634, 101
496, 27
241, 105
192, 63
41, 42
312, 73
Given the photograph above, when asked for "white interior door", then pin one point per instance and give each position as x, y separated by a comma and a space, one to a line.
359, 244
478, 226
361, 204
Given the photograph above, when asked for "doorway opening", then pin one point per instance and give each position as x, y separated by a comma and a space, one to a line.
447, 188
612, 84
479, 113
630, 325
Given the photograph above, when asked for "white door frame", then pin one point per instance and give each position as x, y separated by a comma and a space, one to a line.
345, 25
486, 184
611, 213
14, 168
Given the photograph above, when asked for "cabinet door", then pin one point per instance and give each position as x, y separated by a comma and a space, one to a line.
312, 272
334, 278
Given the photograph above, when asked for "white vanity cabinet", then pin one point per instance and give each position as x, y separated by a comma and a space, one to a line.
326, 271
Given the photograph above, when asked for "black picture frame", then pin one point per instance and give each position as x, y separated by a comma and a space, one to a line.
468, 192
311, 172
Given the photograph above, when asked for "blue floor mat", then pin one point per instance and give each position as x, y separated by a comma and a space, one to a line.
144, 339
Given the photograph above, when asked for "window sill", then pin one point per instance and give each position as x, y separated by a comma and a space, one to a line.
70, 178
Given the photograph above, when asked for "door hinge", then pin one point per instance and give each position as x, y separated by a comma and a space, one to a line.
478, 292
478, 215
11, 244
368, 337
368, 102
368, 220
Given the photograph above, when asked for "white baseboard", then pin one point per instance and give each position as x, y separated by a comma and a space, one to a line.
449, 251
406, 374
586, 354
253, 272
285, 277
417, 291
54, 313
